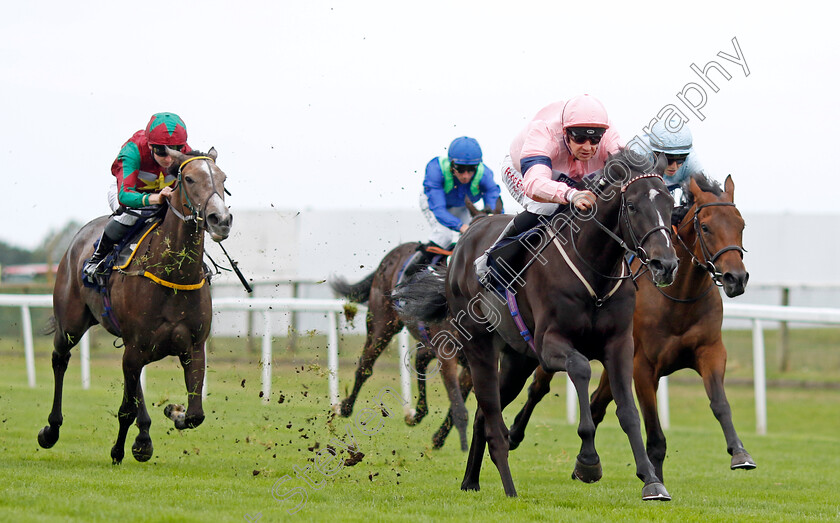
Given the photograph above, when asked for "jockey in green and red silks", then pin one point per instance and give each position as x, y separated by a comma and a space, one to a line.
138, 173
141, 179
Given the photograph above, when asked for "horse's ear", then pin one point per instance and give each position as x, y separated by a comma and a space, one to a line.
692, 184
178, 156
729, 187
212, 153
500, 209
470, 207
660, 165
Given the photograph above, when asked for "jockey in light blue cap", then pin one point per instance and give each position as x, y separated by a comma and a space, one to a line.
677, 146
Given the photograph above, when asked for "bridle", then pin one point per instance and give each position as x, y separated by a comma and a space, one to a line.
709, 259
196, 213
636, 248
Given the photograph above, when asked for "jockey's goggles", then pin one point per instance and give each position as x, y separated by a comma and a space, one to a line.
679, 158
465, 168
580, 135
160, 150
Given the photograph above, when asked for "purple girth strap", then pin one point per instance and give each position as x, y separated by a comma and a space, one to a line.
517, 319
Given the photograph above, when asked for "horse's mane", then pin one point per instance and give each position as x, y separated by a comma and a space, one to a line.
628, 159
705, 183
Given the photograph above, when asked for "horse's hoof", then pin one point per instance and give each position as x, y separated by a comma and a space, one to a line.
470, 485
45, 438
410, 418
175, 412
117, 456
438, 441
587, 473
655, 492
743, 461
142, 453
346, 409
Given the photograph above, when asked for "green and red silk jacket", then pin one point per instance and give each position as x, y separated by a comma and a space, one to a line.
138, 174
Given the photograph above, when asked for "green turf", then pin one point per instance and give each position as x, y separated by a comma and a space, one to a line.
225, 469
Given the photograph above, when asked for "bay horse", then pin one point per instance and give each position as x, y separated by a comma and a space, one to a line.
159, 304
680, 328
383, 324
574, 307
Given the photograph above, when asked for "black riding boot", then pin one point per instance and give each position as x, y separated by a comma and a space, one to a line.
113, 233
420, 259
522, 222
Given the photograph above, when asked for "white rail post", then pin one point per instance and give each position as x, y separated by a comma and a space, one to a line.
28, 344
405, 371
571, 401
662, 403
266, 357
143, 381
332, 357
760, 379
84, 357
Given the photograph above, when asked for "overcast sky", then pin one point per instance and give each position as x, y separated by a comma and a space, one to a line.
340, 104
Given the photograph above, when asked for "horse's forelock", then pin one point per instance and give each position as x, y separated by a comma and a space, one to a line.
705, 184
176, 166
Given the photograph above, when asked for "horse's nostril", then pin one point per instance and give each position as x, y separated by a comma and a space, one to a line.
213, 219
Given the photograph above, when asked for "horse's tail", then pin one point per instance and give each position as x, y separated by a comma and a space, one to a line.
356, 292
423, 297
50, 327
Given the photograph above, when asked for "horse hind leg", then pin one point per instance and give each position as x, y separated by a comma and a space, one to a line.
63, 341
540, 386
377, 340
465, 382
457, 414
421, 363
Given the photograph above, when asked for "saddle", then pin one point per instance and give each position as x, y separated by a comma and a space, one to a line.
123, 252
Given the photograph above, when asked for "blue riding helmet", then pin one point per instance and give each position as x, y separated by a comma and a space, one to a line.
664, 141
465, 151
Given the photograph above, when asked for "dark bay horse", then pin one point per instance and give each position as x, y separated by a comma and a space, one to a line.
577, 302
160, 302
383, 324
680, 328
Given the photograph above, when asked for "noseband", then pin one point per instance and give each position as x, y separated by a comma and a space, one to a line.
196, 211
709, 259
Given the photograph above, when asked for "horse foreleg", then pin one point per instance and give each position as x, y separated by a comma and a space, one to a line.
587, 463
194, 368
540, 386
457, 414
600, 399
377, 340
619, 366
421, 362
132, 366
48, 436
142, 449
712, 369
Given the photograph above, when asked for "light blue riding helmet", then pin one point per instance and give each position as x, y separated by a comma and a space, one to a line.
665, 141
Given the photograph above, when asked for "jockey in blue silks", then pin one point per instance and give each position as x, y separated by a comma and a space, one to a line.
449, 181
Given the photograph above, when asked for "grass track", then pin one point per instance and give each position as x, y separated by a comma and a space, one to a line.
225, 469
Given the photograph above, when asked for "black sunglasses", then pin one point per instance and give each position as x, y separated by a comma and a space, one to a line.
580, 136
679, 158
465, 168
160, 150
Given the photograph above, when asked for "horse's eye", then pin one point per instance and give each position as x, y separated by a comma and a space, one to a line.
189, 179
631, 207
704, 228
